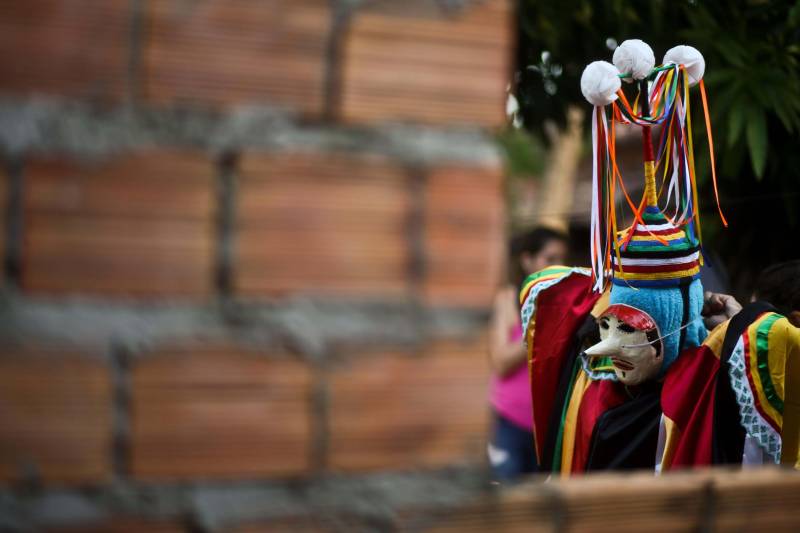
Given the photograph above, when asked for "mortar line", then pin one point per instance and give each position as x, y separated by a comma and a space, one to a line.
226, 185
415, 234
119, 366
12, 252
341, 14
136, 40
320, 419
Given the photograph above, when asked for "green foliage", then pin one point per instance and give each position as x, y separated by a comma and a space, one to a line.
524, 153
757, 140
754, 74
752, 53
558, 39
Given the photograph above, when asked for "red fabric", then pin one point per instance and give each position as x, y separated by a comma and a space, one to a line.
688, 399
647, 144
600, 396
560, 310
631, 316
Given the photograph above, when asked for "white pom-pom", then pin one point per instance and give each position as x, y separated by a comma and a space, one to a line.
634, 57
691, 58
600, 83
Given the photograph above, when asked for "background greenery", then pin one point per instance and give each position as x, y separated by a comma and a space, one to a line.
751, 49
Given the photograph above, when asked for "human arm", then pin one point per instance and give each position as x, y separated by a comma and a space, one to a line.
506, 354
717, 308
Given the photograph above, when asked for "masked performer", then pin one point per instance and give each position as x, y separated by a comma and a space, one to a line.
624, 374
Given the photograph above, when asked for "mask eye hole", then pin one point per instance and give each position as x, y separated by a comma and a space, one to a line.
627, 328
604, 323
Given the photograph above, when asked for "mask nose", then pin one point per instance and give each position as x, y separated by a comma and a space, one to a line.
610, 346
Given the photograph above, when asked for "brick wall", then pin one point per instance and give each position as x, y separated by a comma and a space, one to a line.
230, 414
78, 49
56, 417
701, 500
333, 223
138, 224
225, 52
417, 65
248, 250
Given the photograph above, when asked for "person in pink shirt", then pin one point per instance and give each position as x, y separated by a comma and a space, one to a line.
511, 452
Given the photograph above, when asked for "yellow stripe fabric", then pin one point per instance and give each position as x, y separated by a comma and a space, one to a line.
650, 183
558, 272
790, 432
777, 357
716, 338
663, 275
678, 234
602, 304
671, 443
582, 382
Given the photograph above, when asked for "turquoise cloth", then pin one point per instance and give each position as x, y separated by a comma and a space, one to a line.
665, 306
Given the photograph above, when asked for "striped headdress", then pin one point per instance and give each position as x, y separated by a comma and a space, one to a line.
662, 247
655, 254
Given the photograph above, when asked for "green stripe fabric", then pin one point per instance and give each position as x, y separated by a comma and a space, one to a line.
654, 219
545, 272
660, 248
762, 354
556, 464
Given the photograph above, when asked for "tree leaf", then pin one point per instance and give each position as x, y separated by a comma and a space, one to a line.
736, 122
794, 15
757, 140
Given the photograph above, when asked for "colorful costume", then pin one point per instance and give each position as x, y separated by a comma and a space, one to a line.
736, 398
656, 391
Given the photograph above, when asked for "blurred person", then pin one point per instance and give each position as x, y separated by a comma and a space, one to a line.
511, 451
779, 285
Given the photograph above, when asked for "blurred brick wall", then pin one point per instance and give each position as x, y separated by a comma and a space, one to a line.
248, 253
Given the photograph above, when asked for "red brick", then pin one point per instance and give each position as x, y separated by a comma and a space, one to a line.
510, 511
78, 48
704, 499
327, 522
757, 500
440, 68
123, 525
295, 524
464, 232
141, 225
236, 51
321, 223
55, 417
219, 413
398, 411
603, 502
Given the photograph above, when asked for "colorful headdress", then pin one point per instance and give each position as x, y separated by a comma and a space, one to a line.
654, 263
662, 247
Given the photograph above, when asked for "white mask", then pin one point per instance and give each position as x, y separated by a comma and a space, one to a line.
624, 338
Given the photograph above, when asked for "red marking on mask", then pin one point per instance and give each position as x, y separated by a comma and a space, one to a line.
622, 364
631, 316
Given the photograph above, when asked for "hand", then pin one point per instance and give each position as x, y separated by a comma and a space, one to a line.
717, 308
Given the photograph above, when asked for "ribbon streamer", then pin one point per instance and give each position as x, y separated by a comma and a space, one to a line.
670, 109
